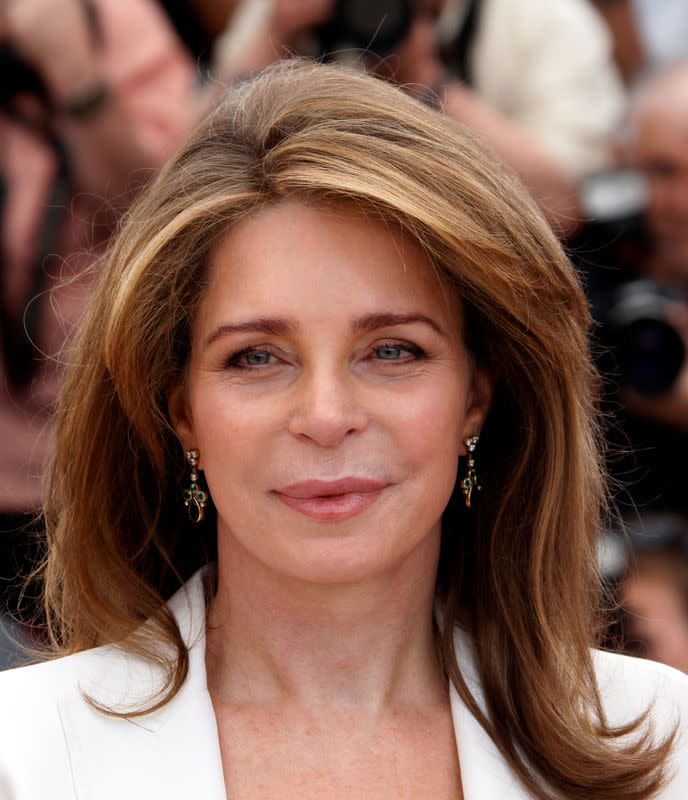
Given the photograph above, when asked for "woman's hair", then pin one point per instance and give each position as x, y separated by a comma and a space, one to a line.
517, 572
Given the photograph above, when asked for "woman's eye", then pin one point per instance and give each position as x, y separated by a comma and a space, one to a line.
389, 352
257, 358
397, 351
251, 357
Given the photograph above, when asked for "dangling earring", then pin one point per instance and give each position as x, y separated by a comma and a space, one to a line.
194, 497
470, 482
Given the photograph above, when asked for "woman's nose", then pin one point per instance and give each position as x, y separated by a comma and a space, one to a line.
327, 409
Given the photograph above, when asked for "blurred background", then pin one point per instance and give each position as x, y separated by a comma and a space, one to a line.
586, 100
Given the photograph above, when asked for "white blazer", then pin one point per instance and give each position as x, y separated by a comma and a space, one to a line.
53, 745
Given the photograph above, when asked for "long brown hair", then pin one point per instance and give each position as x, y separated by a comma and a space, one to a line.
519, 574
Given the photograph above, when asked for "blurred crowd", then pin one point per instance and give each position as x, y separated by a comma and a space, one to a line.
586, 100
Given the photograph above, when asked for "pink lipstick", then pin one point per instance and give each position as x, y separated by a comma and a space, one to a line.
331, 500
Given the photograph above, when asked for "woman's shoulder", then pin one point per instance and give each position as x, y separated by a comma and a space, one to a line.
54, 742
628, 686
53, 675
36, 701
625, 681
631, 688
108, 667
37, 679
30, 694
33, 751
33, 697
109, 673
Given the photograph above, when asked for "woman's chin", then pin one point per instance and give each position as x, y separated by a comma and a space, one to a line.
333, 564
347, 560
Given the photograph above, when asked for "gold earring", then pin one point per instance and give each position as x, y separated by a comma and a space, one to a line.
470, 482
194, 497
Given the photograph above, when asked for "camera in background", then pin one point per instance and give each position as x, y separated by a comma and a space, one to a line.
373, 26
18, 78
640, 346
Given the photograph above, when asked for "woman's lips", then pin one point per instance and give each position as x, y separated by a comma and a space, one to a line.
331, 500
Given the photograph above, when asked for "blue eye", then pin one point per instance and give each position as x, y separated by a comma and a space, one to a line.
250, 357
398, 351
257, 357
389, 352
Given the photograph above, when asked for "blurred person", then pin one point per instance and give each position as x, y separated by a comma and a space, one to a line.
629, 48
537, 79
540, 84
649, 35
657, 143
212, 15
652, 588
198, 23
260, 32
663, 29
95, 96
331, 403
634, 255
654, 594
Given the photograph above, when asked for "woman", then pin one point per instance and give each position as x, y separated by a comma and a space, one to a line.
302, 330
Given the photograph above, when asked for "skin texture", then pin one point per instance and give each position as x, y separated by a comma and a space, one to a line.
323, 629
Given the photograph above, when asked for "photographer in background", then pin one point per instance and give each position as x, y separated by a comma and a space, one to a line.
654, 591
646, 570
658, 144
94, 98
536, 79
648, 34
635, 264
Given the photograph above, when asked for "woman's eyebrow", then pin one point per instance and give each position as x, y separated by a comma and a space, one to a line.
372, 322
277, 326
273, 326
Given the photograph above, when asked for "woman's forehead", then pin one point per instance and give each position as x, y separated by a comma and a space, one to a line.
299, 261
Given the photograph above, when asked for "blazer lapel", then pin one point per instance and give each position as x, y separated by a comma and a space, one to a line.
485, 774
172, 753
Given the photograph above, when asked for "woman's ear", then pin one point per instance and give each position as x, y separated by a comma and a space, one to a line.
180, 416
479, 401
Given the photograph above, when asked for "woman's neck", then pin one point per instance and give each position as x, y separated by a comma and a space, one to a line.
369, 644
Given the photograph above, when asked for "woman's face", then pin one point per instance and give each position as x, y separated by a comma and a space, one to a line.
329, 393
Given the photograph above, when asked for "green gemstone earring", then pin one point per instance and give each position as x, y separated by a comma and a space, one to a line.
194, 497
470, 482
